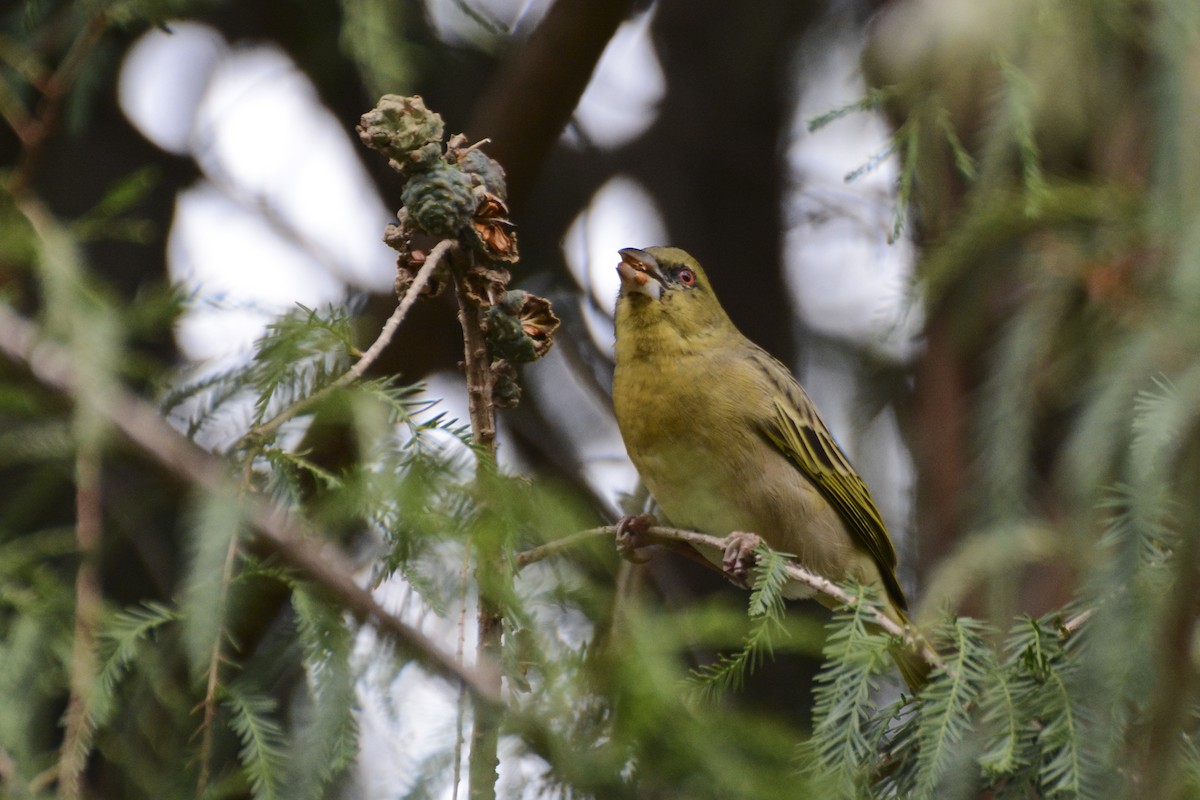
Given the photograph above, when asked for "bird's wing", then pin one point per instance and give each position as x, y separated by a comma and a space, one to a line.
802, 437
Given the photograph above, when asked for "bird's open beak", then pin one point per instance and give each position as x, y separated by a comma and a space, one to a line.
639, 273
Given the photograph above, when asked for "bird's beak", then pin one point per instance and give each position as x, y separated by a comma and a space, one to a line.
639, 273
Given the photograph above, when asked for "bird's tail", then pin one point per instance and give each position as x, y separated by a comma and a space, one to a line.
912, 664
913, 668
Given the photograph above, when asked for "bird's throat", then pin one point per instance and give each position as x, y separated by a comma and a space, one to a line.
645, 331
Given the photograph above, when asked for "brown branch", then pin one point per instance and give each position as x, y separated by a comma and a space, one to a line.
531, 98
662, 535
275, 530
476, 362
460, 716
485, 733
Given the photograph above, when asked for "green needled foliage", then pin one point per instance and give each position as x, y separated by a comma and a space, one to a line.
263, 753
840, 754
766, 613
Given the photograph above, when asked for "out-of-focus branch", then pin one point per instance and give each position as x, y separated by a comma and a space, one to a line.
38, 128
529, 101
208, 723
275, 529
89, 605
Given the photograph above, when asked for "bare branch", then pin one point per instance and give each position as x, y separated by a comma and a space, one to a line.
389, 328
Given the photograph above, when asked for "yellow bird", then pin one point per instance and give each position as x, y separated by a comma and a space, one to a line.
729, 444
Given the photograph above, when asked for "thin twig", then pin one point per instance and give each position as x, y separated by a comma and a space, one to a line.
389, 328
459, 651
659, 534
264, 431
214, 669
89, 604
542, 552
1076, 622
276, 530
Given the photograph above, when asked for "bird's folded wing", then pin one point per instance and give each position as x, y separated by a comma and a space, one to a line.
801, 436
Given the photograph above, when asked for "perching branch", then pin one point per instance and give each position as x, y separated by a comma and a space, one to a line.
276, 530
658, 534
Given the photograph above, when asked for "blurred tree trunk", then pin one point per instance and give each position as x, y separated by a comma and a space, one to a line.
1048, 112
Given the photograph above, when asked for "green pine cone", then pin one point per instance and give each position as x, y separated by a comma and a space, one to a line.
439, 200
487, 171
506, 336
403, 130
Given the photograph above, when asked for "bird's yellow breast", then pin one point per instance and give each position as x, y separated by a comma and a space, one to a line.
687, 414
692, 413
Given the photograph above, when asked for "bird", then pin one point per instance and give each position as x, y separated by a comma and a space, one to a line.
728, 443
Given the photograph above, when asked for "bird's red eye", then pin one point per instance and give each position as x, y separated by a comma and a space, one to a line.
687, 277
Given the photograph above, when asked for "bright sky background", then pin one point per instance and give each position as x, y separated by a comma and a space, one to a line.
285, 214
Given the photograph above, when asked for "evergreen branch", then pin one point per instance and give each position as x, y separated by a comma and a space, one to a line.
122, 634
327, 743
1000, 710
766, 610
839, 748
263, 753
265, 430
1062, 772
945, 715
873, 100
659, 534
277, 531
56, 89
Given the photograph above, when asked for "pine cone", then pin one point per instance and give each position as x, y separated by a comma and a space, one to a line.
486, 171
520, 328
439, 200
401, 128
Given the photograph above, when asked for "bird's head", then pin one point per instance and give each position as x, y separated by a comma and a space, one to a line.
666, 286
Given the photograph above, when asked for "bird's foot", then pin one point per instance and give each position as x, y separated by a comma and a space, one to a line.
739, 555
630, 532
